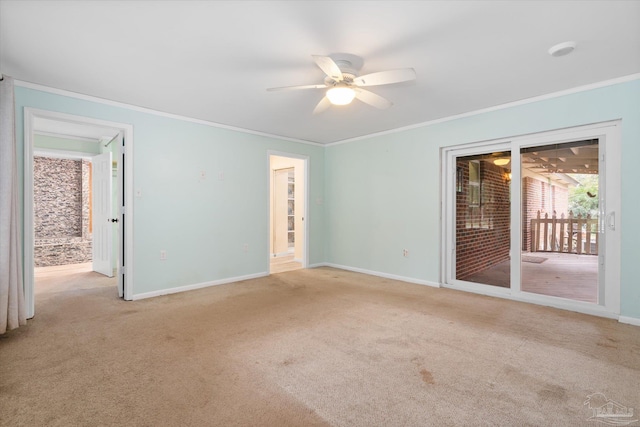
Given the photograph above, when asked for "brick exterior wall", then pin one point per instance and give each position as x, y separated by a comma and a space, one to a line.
540, 196
483, 232
61, 190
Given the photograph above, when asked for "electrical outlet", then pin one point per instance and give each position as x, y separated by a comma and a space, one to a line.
221, 176
245, 247
405, 253
163, 255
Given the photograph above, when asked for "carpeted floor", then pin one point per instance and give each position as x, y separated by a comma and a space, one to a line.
310, 347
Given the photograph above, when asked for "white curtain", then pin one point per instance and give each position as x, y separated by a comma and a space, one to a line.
12, 308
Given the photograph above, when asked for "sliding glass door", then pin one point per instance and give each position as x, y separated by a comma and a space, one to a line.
560, 227
483, 218
526, 218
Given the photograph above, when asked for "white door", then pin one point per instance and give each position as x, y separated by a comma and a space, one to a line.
101, 214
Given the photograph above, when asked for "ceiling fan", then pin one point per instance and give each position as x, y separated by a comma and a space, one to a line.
343, 83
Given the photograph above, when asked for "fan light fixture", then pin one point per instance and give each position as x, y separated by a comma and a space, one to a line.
342, 82
501, 162
341, 95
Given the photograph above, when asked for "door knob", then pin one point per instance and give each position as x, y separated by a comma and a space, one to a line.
112, 219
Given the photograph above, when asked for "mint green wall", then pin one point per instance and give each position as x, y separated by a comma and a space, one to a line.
46, 141
383, 193
201, 225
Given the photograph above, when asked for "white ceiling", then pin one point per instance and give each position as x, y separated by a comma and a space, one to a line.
213, 60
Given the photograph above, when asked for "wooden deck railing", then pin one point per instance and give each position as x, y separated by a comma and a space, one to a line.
569, 235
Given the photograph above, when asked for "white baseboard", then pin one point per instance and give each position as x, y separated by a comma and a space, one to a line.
320, 264
385, 275
280, 254
629, 320
543, 300
197, 286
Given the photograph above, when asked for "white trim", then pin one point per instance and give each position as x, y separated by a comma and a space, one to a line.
62, 92
30, 115
111, 103
318, 265
543, 300
197, 286
71, 137
28, 276
63, 154
307, 185
381, 274
629, 320
280, 254
525, 101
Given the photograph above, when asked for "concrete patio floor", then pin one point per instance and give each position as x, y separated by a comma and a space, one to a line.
570, 276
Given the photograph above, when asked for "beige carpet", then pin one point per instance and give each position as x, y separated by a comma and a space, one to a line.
310, 347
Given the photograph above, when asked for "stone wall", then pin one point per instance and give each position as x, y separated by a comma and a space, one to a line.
61, 190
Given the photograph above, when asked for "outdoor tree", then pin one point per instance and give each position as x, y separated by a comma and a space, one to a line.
583, 199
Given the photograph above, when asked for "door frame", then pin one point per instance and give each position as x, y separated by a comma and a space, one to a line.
305, 228
608, 134
124, 273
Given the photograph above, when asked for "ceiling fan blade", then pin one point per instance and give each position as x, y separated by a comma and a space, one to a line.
322, 105
329, 67
271, 89
372, 99
386, 77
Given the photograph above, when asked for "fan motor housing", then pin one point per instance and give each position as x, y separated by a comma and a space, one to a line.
347, 77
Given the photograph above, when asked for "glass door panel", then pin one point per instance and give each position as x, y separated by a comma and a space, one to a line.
483, 218
560, 220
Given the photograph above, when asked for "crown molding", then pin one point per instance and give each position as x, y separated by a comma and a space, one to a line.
525, 101
91, 98
552, 95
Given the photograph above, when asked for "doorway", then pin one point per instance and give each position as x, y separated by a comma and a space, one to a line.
534, 218
84, 227
64, 224
287, 212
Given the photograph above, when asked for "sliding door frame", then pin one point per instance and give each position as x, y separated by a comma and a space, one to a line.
608, 135
449, 277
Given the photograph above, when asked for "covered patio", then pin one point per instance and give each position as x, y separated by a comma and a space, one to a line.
571, 276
